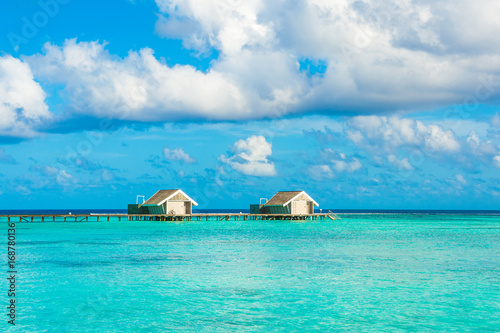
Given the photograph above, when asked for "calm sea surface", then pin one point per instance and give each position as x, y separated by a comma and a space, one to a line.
366, 272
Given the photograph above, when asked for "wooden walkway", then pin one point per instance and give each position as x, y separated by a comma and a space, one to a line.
191, 217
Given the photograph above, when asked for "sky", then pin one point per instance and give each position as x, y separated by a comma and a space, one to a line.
363, 104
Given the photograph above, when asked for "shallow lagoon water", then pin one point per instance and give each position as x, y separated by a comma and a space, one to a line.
366, 272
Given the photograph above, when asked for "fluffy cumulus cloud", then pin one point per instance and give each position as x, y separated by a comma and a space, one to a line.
320, 172
251, 157
282, 57
340, 162
406, 142
390, 55
138, 87
334, 162
22, 100
390, 133
54, 175
403, 164
178, 154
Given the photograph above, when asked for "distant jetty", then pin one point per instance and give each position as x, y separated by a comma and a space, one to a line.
175, 205
164, 217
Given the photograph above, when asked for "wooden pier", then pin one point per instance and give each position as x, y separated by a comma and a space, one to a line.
178, 218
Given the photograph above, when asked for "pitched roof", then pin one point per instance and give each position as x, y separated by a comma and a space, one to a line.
282, 198
163, 195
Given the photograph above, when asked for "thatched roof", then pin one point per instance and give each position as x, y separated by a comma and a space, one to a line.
163, 195
282, 198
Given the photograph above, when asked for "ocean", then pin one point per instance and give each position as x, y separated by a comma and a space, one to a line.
368, 272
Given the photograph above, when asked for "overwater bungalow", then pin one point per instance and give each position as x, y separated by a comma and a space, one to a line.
286, 202
171, 202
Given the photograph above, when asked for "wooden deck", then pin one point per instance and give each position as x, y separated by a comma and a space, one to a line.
191, 217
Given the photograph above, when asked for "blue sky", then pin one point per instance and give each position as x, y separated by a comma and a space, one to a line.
363, 104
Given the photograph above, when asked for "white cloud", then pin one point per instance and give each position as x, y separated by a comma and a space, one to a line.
55, 174
386, 55
320, 172
22, 100
63, 178
178, 154
343, 166
496, 161
379, 56
339, 161
495, 121
473, 139
228, 25
461, 179
438, 140
393, 136
390, 133
478, 147
403, 164
250, 157
138, 87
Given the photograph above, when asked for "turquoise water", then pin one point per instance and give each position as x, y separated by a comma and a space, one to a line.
378, 273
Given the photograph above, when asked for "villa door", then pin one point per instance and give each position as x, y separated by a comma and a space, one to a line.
301, 207
177, 207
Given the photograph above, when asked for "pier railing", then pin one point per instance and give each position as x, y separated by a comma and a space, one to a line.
163, 217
